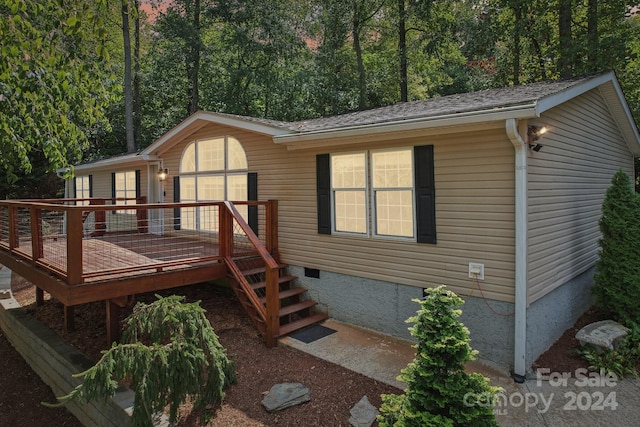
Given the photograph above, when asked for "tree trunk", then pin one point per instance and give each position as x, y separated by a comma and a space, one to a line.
592, 36
402, 51
137, 97
355, 33
193, 67
565, 50
128, 92
517, 11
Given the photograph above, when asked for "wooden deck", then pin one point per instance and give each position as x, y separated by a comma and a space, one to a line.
115, 257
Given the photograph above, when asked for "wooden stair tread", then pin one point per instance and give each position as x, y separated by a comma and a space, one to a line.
293, 308
258, 270
286, 294
302, 323
283, 279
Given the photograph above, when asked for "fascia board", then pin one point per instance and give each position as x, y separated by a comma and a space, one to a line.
202, 118
119, 162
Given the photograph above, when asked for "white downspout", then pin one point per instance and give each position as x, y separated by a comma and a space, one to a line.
520, 339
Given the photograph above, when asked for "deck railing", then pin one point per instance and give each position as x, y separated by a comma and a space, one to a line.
87, 240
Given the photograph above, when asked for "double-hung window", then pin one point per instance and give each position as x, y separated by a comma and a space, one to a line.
349, 187
392, 188
385, 193
82, 188
125, 189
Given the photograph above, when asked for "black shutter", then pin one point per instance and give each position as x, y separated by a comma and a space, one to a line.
90, 185
425, 194
113, 186
138, 190
252, 195
176, 199
75, 188
113, 190
323, 188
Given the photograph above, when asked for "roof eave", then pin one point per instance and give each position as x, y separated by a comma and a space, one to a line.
202, 118
614, 98
119, 161
348, 135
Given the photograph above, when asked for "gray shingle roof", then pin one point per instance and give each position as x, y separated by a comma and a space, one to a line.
485, 100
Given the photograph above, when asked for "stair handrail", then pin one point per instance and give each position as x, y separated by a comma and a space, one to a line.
272, 313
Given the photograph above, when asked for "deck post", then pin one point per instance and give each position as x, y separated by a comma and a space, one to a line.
69, 321
74, 246
142, 215
37, 247
14, 239
272, 226
226, 231
99, 218
113, 322
273, 307
39, 297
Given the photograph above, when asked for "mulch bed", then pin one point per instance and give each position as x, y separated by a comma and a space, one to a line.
334, 389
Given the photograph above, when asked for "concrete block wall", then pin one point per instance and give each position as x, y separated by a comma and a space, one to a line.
55, 361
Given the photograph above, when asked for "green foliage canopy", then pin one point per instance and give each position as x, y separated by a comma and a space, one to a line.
52, 82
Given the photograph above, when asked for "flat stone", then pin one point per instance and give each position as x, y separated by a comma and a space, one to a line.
285, 395
604, 335
363, 414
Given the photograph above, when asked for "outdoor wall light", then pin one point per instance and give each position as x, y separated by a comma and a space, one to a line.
533, 135
162, 173
535, 132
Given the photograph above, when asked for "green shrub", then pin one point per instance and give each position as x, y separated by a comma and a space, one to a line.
169, 352
617, 278
436, 381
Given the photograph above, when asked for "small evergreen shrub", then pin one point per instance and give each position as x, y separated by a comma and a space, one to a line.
617, 278
169, 352
436, 381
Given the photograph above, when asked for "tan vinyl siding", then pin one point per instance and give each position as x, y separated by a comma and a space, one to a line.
101, 184
567, 182
474, 212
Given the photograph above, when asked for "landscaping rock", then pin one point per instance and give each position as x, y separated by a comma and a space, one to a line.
363, 414
282, 396
604, 335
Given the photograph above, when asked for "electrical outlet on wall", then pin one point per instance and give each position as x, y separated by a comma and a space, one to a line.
476, 271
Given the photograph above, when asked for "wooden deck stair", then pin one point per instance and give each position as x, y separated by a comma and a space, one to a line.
296, 311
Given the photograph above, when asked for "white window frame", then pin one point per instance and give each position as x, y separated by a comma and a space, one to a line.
82, 189
370, 194
225, 173
364, 190
126, 192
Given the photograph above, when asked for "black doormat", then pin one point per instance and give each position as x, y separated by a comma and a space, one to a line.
312, 333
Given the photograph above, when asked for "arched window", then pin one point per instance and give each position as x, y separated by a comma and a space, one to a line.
212, 170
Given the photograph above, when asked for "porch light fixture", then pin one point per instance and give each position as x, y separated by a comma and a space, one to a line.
162, 173
533, 135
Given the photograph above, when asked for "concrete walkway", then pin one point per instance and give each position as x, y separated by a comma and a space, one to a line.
554, 399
